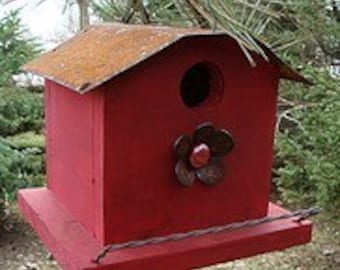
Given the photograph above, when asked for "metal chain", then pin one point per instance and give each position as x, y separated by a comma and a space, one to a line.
300, 214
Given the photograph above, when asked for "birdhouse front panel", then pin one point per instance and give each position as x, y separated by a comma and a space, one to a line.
151, 105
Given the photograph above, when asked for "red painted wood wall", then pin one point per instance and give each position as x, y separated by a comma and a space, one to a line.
110, 157
75, 153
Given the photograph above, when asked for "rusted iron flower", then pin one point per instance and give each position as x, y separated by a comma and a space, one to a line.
200, 156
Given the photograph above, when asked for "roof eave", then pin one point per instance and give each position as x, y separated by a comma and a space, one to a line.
285, 70
39, 67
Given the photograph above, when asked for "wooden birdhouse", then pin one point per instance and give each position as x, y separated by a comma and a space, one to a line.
155, 131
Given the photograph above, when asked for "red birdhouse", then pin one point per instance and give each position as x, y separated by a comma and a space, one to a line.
152, 132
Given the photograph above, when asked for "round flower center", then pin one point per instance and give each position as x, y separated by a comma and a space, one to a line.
200, 155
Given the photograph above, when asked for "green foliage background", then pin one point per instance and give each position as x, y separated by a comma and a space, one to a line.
15, 47
21, 115
20, 111
307, 167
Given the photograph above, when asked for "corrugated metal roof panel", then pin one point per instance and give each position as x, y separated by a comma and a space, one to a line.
102, 52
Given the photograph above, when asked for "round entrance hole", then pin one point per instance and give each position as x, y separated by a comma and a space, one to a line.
201, 84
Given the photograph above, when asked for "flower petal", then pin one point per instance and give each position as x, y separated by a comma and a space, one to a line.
184, 174
183, 146
203, 133
221, 143
211, 174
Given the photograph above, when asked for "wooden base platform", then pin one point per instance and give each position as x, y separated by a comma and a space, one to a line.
73, 247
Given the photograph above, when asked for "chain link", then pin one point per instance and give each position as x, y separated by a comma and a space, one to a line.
300, 214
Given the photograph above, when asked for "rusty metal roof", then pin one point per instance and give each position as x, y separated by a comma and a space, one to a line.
101, 52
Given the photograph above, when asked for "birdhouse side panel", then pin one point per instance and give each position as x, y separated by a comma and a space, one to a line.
74, 153
146, 111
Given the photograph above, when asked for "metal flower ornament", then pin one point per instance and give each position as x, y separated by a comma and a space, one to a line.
200, 156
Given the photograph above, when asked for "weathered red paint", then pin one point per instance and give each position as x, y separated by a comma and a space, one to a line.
110, 163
